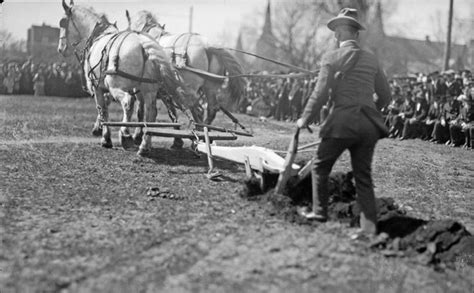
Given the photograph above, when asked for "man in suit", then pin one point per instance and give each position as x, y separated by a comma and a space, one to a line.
412, 126
355, 123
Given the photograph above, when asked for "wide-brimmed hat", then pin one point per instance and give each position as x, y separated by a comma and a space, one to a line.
347, 16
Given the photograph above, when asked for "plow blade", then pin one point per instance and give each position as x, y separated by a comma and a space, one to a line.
260, 159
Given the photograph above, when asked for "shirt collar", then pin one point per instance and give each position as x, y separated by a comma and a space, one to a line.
347, 43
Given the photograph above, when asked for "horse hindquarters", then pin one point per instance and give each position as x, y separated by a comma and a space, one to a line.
127, 56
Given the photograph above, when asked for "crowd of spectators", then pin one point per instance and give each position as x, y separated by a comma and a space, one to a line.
28, 78
281, 98
436, 107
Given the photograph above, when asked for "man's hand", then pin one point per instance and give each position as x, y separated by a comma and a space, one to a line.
300, 123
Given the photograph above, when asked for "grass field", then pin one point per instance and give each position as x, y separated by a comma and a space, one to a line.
77, 218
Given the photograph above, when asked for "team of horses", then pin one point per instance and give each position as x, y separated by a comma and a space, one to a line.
144, 63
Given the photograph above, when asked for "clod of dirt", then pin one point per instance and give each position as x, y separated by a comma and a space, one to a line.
156, 192
440, 242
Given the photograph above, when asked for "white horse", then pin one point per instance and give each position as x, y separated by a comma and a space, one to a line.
126, 65
191, 50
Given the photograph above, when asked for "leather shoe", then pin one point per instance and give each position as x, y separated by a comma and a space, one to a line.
308, 214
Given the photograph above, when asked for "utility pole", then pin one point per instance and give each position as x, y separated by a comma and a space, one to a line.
191, 19
447, 49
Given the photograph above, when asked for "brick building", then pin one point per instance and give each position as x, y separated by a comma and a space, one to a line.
42, 43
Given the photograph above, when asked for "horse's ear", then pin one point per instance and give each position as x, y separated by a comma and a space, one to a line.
103, 19
127, 14
163, 27
71, 3
67, 9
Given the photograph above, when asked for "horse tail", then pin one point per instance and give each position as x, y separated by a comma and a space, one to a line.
167, 74
232, 67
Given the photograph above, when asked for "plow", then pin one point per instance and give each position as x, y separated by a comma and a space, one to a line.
259, 162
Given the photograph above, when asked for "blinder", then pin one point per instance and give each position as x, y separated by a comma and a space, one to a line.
63, 23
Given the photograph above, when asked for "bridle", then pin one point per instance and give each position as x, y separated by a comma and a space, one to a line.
148, 26
97, 30
64, 24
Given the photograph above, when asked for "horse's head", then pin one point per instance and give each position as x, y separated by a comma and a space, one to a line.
67, 34
75, 27
145, 21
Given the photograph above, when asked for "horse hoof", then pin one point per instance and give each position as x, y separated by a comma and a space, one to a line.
97, 131
106, 143
137, 138
177, 144
143, 152
127, 142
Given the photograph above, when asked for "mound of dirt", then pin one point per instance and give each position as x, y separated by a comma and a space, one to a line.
435, 242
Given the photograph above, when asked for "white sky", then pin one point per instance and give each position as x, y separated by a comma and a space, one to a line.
216, 18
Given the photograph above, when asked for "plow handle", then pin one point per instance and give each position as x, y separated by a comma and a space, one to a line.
289, 159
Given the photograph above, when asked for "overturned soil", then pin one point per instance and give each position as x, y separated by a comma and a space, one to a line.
75, 217
440, 243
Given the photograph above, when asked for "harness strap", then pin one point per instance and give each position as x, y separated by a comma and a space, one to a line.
130, 76
120, 37
224, 78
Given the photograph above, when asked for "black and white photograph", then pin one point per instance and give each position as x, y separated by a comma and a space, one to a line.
236, 146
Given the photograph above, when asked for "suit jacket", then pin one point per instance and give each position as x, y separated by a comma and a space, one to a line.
421, 109
454, 89
353, 96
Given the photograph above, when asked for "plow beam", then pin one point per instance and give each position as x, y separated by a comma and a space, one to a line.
142, 124
222, 129
176, 133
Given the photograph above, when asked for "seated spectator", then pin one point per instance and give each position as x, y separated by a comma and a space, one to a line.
433, 116
407, 110
412, 126
466, 117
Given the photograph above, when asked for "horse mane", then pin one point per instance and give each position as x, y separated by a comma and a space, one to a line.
144, 18
90, 11
232, 67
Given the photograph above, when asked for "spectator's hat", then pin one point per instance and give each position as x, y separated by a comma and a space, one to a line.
347, 16
464, 98
449, 72
434, 73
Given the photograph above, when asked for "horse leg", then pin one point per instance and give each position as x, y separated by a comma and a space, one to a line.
127, 102
97, 128
103, 116
150, 116
173, 114
138, 134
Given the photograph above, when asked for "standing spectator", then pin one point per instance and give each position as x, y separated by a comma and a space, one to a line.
3, 90
26, 79
439, 89
11, 80
54, 82
39, 82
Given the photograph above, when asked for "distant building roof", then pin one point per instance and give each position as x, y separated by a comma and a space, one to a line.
420, 56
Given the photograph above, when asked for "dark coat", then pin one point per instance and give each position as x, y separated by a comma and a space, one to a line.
353, 95
421, 109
